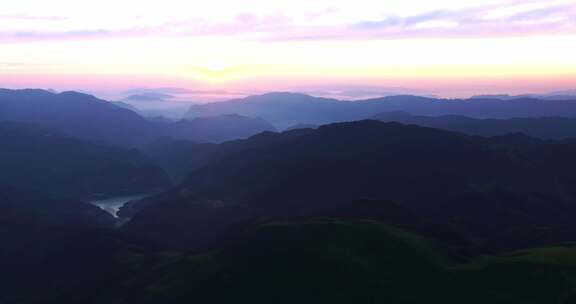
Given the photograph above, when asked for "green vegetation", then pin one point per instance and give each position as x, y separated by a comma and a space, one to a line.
343, 261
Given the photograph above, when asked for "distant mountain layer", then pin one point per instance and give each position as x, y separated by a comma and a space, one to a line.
546, 128
560, 95
217, 128
487, 191
45, 160
149, 97
125, 106
77, 114
87, 117
288, 109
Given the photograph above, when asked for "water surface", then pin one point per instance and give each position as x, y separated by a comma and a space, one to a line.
112, 205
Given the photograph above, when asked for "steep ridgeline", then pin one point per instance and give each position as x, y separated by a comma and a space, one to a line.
493, 192
180, 157
79, 115
287, 109
87, 117
545, 127
37, 158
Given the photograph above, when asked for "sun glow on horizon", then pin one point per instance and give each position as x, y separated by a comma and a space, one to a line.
486, 45
216, 67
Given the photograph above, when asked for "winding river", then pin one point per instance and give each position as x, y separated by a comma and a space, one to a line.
113, 205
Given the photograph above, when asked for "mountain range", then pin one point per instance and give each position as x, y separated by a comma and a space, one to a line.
87, 117
540, 127
406, 207
287, 109
490, 189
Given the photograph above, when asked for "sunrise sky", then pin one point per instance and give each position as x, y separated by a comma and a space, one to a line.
448, 48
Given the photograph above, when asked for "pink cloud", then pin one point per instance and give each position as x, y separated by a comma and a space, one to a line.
471, 22
32, 17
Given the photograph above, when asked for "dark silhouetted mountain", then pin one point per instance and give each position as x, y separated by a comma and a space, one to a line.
362, 212
357, 212
546, 127
479, 186
180, 157
43, 159
288, 109
89, 118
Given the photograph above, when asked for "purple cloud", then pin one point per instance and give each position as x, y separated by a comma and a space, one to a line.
26, 36
471, 22
466, 23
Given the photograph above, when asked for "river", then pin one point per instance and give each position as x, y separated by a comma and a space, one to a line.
112, 205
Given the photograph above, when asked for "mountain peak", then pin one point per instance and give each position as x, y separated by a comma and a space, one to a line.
75, 94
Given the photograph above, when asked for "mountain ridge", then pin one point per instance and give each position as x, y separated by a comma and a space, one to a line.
308, 172
288, 109
89, 118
